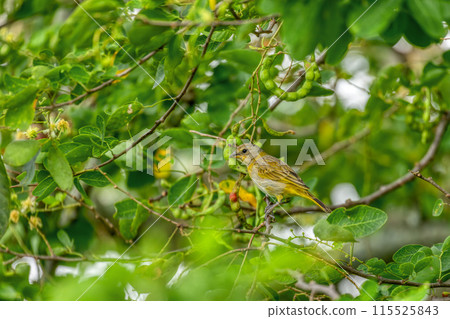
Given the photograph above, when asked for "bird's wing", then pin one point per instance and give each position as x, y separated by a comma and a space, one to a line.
274, 169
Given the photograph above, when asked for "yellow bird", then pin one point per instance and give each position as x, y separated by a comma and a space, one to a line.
273, 176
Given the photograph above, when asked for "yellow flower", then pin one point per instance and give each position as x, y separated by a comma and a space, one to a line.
31, 132
27, 204
62, 125
273, 176
14, 216
35, 222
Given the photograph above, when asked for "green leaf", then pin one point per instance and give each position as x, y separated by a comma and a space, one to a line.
64, 238
148, 36
45, 187
14, 84
422, 263
360, 220
446, 244
337, 52
76, 182
59, 168
411, 293
304, 40
180, 137
174, 55
123, 115
4, 199
432, 74
20, 152
428, 16
318, 90
94, 178
197, 121
367, 23
438, 207
369, 291
79, 74
374, 266
406, 253
76, 152
245, 60
20, 110
130, 216
78, 29
414, 33
326, 231
182, 190
395, 31
90, 130
407, 269
160, 75
445, 261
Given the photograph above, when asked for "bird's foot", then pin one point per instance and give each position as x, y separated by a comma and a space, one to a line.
268, 216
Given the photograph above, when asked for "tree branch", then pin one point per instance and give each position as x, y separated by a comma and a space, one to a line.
314, 287
431, 181
383, 280
383, 190
214, 23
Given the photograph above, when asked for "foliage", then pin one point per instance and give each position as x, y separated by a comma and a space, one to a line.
109, 110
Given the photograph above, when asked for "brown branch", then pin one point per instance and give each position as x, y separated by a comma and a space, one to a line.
383, 280
383, 190
41, 257
187, 23
207, 135
104, 84
314, 286
431, 181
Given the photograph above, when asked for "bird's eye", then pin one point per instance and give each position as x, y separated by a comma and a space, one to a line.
244, 150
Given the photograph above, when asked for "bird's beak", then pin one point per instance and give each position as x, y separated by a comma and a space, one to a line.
233, 154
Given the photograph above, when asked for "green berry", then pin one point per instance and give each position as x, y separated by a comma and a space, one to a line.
316, 75
307, 85
270, 85
264, 75
291, 96
302, 93
309, 76
278, 92
273, 72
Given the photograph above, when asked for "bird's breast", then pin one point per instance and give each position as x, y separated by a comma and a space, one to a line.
268, 186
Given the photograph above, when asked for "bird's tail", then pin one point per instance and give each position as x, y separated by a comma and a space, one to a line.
317, 201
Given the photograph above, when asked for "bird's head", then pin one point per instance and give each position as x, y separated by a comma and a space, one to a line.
246, 153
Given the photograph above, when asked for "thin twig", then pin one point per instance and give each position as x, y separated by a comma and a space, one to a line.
431, 181
214, 23
314, 286
207, 135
